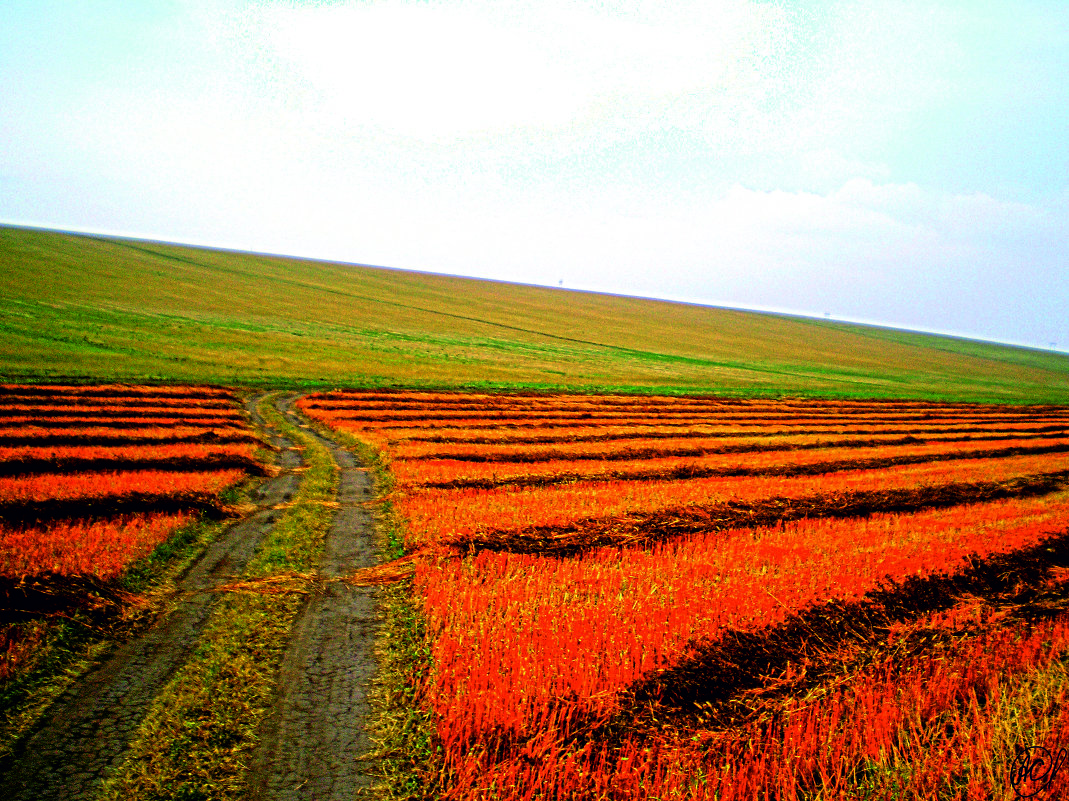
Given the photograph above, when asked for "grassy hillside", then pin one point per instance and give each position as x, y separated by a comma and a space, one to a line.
84, 307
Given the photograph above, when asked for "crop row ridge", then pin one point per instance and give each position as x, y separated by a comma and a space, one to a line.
642, 529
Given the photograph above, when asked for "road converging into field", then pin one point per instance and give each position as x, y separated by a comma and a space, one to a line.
311, 741
316, 733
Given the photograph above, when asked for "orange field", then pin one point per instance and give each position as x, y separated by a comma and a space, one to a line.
704, 598
88, 498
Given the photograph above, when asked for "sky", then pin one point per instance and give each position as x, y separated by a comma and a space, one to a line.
886, 161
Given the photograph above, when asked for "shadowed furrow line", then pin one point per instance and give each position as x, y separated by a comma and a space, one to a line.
208, 504
641, 529
709, 684
156, 402
909, 434
533, 457
176, 464
70, 392
75, 419
691, 471
524, 415
754, 426
193, 413
104, 440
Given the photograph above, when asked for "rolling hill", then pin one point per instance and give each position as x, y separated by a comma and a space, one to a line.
90, 308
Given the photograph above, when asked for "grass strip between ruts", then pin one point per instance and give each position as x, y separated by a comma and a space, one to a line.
198, 737
401, 731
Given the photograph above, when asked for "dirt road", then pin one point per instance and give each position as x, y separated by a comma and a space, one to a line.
313, 742
313, 739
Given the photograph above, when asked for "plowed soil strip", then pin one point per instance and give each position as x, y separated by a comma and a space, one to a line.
313, 742
85, 733
639, 529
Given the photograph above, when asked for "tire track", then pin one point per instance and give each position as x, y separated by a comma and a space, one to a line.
313, 743
84, 735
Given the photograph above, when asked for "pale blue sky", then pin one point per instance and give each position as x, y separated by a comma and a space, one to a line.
905, 163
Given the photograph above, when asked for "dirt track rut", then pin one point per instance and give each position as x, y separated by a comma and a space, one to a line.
313, 739
313, 743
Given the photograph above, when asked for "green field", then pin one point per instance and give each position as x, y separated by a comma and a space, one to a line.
93, 308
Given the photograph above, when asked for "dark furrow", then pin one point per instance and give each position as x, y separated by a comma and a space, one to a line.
640, 529
528, 425
628, 454
175, 404
192, 414
967, 433
47, 390
690, 417
684, 472
710, 682
94, 440
176, 464
85, 733
40, 512
110, 423
729, 680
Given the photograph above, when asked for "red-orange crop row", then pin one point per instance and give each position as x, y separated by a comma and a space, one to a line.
440, 471
532, 655
630, 441
459, 515
516, 634
103, 435
954, 726
127, 453
77, 421
95, 486
22, 410
408, 399
100, 548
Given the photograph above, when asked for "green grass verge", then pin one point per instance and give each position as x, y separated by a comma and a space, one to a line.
197, 738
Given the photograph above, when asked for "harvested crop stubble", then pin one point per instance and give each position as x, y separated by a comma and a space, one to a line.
99, 548
581, 635
625, 448
648, 467
94, 486
114, 391
45, 413
76, 421
430, 441
180, 457
466, 514
126, 453
42, 435
518, 637
916, 726
133, 403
